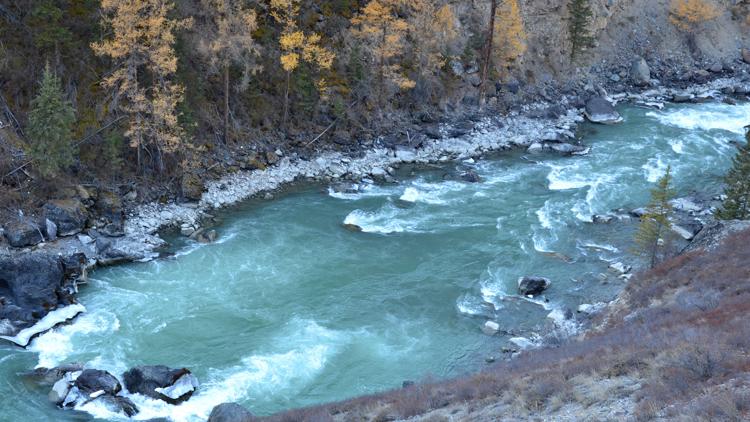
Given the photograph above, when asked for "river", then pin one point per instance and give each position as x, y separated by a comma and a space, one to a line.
290, 309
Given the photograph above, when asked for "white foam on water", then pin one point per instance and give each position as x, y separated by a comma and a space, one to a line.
412, 194
677, 145
567, 326
559, 180
384, 221
654, 169
543, 215
56, 345
362, 190
608, 248
707, 117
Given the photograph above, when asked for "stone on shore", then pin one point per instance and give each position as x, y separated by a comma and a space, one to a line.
69, 215
599, 110
640, 74
230, 412
491, 328
23, 233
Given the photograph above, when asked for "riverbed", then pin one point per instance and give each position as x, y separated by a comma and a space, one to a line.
289, 308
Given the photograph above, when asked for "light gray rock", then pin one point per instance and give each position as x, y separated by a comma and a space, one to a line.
640, 73
59, 391
599, 110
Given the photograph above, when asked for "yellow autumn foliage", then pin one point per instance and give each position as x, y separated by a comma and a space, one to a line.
380, 28
687, 14
143, 40
434, 29
509, 35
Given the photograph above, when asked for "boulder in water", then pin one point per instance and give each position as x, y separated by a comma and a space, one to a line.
230, 412
599, 110
173, 386
352, 227
569, 149
470, 176
491, 328
92, 381
533, 286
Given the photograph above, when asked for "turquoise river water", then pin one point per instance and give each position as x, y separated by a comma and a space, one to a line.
290, 309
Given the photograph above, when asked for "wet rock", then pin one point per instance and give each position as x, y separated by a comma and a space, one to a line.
59, 391
640, 73
205, 236
230, 412
569, 149
173, 386
533, 286
352, 227
620, 268
192, 186
30, 282
639, 212
125, 249
407, 384
120, 404
69, 215
92, 381
471, 176
49, 376
491, 328
22, 233
599, 110
603, 218
682, 97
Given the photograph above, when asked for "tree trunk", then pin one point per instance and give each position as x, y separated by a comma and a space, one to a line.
286, 100
488, 44
226, 105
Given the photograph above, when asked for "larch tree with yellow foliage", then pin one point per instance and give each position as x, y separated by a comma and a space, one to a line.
382, 31
434, 30
505, 42
297, 46
687, 15
230, 42
142, 44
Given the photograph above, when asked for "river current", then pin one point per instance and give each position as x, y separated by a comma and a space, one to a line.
290, 309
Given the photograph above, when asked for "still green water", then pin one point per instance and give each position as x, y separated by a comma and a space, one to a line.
289, 309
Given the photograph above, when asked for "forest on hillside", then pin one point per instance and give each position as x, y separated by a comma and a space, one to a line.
105, 91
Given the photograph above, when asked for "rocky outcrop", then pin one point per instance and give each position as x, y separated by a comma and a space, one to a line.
599, 110
69, 216
93, 380
533, 286
30, 286
78, 387
192, 187
712, 235
173, 386
230, 412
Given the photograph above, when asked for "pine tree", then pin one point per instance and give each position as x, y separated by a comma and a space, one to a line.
579, 27
737, 204
50, 127
655, 223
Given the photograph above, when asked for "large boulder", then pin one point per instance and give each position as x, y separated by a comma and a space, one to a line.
746, 55
230, 412
640, 73
69, 215
30, 282
92, 381
533, 286
173, 386
192, 186
22, 233
109, 206
599, 110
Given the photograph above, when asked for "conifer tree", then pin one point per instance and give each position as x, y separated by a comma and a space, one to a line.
231, 42
579, 26
655, 223
298, 46
382, 31
142, 43
50, 127
737, 204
